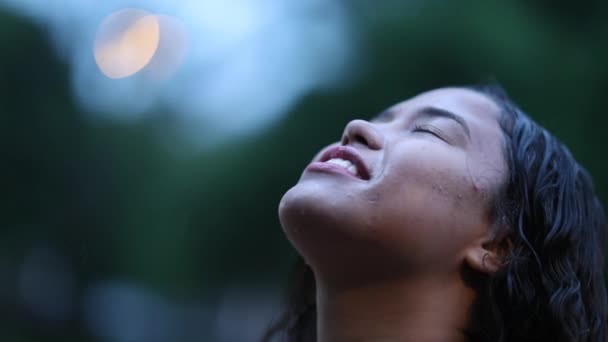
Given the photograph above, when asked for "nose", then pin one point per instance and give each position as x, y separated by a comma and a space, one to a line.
362, 132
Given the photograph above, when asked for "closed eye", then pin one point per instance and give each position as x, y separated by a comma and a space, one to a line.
431, 130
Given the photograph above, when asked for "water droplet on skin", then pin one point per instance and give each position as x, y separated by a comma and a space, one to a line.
374, 198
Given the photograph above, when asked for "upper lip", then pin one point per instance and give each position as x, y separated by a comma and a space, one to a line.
350, 154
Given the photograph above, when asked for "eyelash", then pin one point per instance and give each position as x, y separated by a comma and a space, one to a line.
428, 129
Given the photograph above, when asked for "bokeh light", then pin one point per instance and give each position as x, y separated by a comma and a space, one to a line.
220, 70
171, 51
126, 42
133, 40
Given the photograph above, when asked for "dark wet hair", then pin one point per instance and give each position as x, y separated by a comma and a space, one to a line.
552, 227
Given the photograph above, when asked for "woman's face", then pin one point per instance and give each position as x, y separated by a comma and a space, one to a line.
418, 193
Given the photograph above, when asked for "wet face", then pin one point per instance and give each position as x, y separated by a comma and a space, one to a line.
407, 192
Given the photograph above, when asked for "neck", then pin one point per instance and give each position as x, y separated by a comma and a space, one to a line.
397, 310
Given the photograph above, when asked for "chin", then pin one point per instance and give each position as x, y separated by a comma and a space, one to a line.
304, 206
333, 233
322, 202
317, 220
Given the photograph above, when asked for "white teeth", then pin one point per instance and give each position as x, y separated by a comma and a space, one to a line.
340, 162
345, 164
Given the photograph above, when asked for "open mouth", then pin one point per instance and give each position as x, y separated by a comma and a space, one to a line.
344, 158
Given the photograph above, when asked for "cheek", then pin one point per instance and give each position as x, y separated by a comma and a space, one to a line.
428, 206
432, 175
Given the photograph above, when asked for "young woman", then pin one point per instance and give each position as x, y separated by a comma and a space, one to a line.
451, 216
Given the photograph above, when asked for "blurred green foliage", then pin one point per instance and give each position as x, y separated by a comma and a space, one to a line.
120, 204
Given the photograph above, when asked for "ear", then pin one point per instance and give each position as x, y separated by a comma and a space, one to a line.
485, 256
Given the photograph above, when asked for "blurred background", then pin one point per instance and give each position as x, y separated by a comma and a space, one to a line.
144, 145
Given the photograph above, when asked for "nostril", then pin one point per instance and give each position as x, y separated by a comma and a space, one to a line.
361, 139
345, 140
361, 132
355, 138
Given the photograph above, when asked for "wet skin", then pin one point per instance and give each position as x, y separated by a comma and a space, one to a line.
434, 163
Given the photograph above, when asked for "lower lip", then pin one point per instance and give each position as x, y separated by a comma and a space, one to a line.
330, 168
